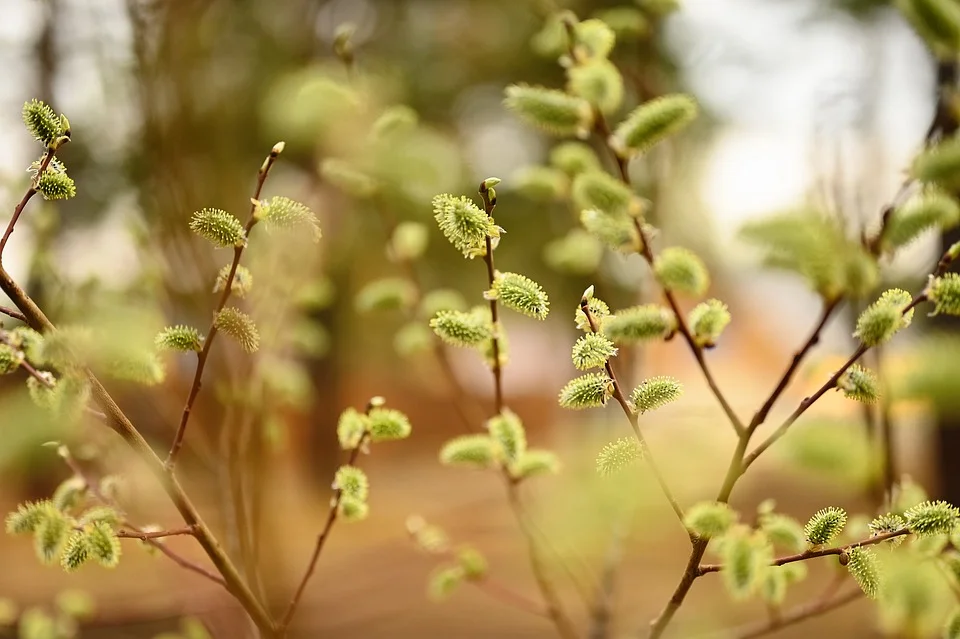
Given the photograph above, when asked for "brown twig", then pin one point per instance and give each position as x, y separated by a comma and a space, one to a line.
798, 615
31, 191
144, 535
17, 315
489, 204
813, 554
224, 296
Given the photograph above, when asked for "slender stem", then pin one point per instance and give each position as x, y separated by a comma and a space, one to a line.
212, 333
318, 547
144, 535
813, 554
488, 206
17, 315
799, 614
44, 163
186, 564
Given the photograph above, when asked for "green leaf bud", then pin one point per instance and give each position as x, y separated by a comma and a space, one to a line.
931, 518
179, 338
386, 294
707, 321
521, 294
352, 482
825, 525
347, 178
507, 429
598, 82
42, 122
352, 509
542, 183
860, 384
652, 122
473, 451
710, 519
864, 567
600, 190
944, 293
533, 463
616, 456
679, 269
218, 227
388, 424
654, 393
592, 350
461, 329
240, 326
884, 318
574, 158
242, 280
104, 544
589, 391
351, 428
552, 111
464, 224
640, 323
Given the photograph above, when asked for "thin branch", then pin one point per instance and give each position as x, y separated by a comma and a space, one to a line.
509, 597
17, 315
488, 206
799, 614
143, 535
813, 554
31, 191
212, 333
186, 564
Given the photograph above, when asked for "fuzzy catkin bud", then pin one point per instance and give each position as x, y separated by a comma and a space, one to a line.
860, 384
616, 231
939, 164
458, 328
387, 424
409, 241
386, 294
104, 545
179, 338
784, 531
598, 82
707, 322
929, 210
533, 463
10, 359
352, 482
542, 183
552, 111
521, 294
351, 428
600, 190
394, 120
888, 523
353, 510
282, 213
654, 393
944, 293
640, 323
240, 326
574, 158
864, 567
616, 456
594, 38
825, 525
464, 224
42, 122
884, 318
931, 518
746, 558
710, 519
592, 351
218, 227
242, 280
474, 451
598, 310
507, 429
76, 551
55, 184
588, 391
679, 269
577, 252
652, 122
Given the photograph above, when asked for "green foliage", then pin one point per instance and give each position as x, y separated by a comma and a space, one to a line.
281, 213
577, 253
599, 82
592, 350
616, 456
218, 227
386, 294
825, 525
474, 451
352, 482
507, 429
707, 322
654, 393
458, 328
864, 567
574, 158
944, 293
884, 318
521, 294
240, 326
242, 280
588, 391
710, 519
679, 269
601, 191
652, 122
43, 123
932, 209
931, 518
860, 384
351, 428
387, 424
179, 338
464, 224
348, 178
550, 110
640, 323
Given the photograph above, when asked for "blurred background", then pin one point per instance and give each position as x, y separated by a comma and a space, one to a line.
173, 106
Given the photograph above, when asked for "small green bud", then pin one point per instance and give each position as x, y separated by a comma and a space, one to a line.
458, 328
678, 269
27, 517
640, 323
594, 39
654, 393
888, 523
864, 566
600, 190
746, 559
784, 531
944, 293
860, 384
574, 158
104, 545
598, 82
552, 111
615, 231
76, 551
42, 122
939, 164
409, 241
592, 350
884, 318
464, 224
521, 294
929, 210
282, 213
598, 310
474, 451
444, 582
825, 525
652, 122
55, 184
616, 456
507, 429
352, 509
542, 183
218, 227
352, 482
386, 294
707, 322
473, 563
242, 280
387, 424
351, 428
489, 183
710, 519
533, 463
589, 391
179, 338
240, 326
931, 518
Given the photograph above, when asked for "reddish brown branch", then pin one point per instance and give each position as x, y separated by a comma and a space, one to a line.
143, 535
18, 210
